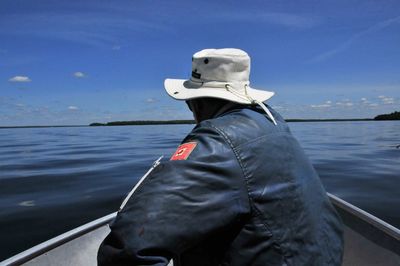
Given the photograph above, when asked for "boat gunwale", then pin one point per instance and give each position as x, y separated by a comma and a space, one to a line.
367, 217
57, 241
367, 225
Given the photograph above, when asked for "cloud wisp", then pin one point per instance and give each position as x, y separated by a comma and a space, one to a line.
73, 108
79, 74
344, 104
95, 29
281, 19
347, 44
22, 79
151, 100
386, 100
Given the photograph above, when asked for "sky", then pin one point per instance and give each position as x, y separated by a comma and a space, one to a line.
78, 62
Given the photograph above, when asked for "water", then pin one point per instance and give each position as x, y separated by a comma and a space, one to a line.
54, 179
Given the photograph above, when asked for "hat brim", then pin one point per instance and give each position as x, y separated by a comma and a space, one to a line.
181, 89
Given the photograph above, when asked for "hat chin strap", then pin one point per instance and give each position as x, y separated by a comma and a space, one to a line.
247, 97
262, 105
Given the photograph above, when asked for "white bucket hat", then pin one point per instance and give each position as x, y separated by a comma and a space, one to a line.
219, 73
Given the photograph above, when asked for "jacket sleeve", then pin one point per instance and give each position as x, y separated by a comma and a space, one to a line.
180, 205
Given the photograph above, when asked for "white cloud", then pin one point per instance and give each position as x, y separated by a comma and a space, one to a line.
373, 104
328, 102
151, 100
20, 79
345, 102
388, 100
116, 47
79, 74
73, 108
364, 99
320, 105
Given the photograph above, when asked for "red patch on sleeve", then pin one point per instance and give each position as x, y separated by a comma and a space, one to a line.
183, 151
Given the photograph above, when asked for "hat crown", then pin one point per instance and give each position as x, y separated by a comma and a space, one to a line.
222, 65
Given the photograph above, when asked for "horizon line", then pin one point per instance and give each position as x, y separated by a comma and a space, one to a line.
190, 120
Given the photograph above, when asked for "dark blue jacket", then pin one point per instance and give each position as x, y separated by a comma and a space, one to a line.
245, 195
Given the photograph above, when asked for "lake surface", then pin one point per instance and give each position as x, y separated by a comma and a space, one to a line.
54, 179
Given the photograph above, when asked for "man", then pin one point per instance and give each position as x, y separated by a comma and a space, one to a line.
238, 191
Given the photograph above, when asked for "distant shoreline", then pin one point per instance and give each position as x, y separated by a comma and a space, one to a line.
180, 122
185, 122
384, 117
5, 127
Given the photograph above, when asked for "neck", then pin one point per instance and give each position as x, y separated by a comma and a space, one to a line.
207, 108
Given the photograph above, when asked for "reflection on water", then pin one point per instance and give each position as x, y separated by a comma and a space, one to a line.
54, 179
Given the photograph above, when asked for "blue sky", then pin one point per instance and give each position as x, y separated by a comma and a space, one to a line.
77, 62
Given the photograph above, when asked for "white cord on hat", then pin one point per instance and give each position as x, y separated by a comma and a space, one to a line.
248, 97
267, 111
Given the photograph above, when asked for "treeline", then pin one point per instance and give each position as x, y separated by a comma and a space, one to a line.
391, 116
180, 122
144, 122
329, 120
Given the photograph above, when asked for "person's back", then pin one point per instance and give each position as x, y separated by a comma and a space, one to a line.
291, 220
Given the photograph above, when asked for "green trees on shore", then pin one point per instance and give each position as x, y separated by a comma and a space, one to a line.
391, 116
144, 122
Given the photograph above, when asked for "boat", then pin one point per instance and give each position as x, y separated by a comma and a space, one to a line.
369, 241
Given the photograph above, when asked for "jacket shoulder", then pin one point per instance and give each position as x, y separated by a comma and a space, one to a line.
241, 126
